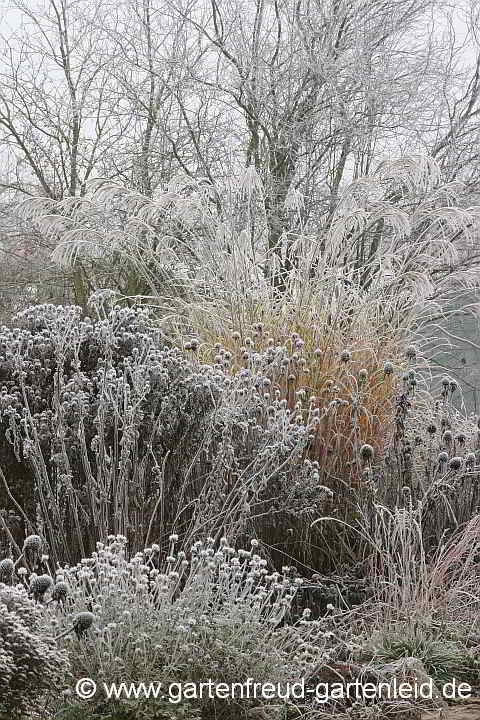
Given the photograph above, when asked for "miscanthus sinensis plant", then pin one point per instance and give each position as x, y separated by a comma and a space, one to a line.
391, 248
31, 663
212, 612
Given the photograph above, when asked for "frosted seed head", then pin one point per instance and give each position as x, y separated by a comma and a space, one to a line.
366, 452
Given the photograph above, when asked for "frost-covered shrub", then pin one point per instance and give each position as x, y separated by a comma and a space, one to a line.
212, 613
31, 664
114, 431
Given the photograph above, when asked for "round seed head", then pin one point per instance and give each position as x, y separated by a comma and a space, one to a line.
411, 352
39, 585
388, 368
366, 452
33, 543
455, 463
470, 459
82, 622
60, 591
447, 437
345, 356
6, 568
442, 457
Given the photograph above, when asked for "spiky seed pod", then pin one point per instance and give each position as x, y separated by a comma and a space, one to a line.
470, 460
445, 382
388, 368
39, 586
345, 356
461, 438
455, 463
366, 452
33, 543
453, 385
6, 569
447, 437
60, 591
362, 375
32, 549
431, 429
442, 457
82, 622
411, 352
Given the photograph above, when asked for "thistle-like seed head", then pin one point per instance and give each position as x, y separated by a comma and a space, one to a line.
33, 543
39, 585
455, 463
60, 591
388, 368
366, 452
6, 568
82, 622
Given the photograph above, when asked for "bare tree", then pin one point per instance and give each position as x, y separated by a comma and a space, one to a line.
316, 91
57, 101
307, 95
